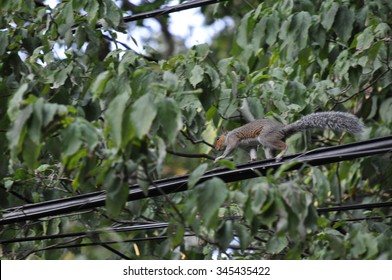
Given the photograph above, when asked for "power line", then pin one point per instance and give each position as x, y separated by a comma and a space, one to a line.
171, 9
316, 157
88, 233
163, 225
153, 226
355, 207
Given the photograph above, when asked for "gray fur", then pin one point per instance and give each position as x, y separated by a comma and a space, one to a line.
337, 121
271, 134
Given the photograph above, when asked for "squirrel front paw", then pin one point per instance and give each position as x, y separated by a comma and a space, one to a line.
278, 158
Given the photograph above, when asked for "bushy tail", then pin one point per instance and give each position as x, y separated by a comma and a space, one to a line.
338, 121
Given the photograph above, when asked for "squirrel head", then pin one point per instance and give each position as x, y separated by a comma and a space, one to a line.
220, 141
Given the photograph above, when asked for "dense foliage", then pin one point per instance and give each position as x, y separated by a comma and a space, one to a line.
77, 117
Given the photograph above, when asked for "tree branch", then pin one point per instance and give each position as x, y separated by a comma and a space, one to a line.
21, 197
190, 155
337, 102
190, 138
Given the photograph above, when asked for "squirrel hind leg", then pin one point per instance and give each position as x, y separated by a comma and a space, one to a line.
284, 147
268, 153
253, 154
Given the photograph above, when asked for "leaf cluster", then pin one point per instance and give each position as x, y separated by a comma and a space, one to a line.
77, 116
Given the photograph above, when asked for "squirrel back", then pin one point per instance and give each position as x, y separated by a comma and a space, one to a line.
247, 134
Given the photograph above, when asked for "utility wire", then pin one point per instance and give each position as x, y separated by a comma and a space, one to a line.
164, 225
171, 9
355, 207
162, 237
88, 233
316, 157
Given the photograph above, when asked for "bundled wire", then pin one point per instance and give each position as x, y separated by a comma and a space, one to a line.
162, 225
171, 9
316, 157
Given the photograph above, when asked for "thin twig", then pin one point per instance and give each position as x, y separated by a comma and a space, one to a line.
337, 102
114, 251
190, 155
190, 138
21, 197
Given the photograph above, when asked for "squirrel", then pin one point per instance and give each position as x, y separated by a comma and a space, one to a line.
272, 134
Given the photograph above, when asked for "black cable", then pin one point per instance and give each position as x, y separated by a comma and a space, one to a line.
355, 207
163, 237
87, 233
362, 219
171, 9
150, 226
316, 157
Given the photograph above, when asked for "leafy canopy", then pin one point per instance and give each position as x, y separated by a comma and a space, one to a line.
99, 119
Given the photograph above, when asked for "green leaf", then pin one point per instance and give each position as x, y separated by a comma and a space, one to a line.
170, 119
365, 39
211, 113
382, 30
243, 235
300, 27
296, 91
196, 174
328, 18
321, 185
44, 167
202, 51
257, 196
196, 77
61, 76
343, 25
161, 153
276, 244
30, 153
16, 101
143, 114
128, 59
246, 24
3, 42
170, 80
35, 127
99, 84
211, 195
112, 13
50, 110
272, 29
67, 13
72, 139
16, 134
8, 184
227, 163
224, 234
214, 76
175, 231
92, 8
385, 111
115, 116
322, 222
90, 135
116, 193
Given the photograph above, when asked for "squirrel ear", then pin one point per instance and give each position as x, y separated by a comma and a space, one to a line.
223, 130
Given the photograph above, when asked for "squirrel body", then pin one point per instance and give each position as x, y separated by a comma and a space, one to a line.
272, 134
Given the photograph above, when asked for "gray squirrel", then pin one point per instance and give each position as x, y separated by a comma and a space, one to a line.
272, 134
